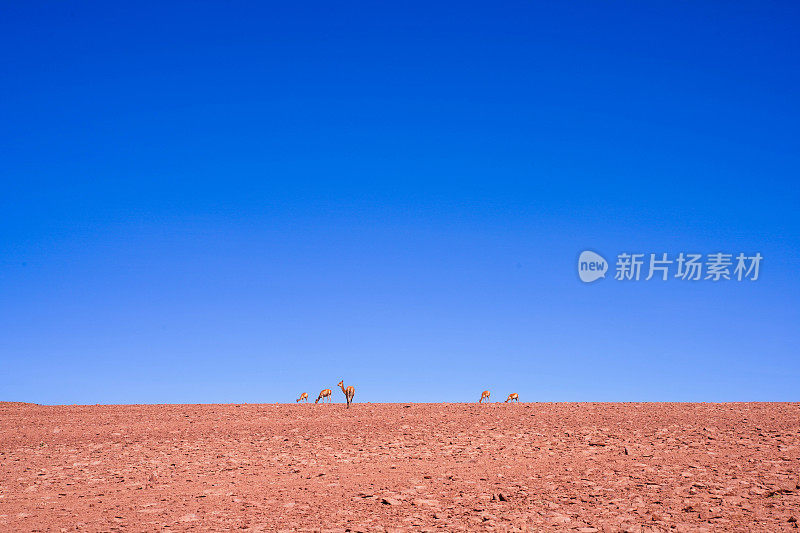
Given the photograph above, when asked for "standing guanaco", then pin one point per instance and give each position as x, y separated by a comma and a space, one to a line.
512, 397
485, 395
303, 398
349, 392
324, 393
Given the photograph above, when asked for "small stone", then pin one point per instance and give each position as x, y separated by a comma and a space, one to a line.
559, 518
390, 501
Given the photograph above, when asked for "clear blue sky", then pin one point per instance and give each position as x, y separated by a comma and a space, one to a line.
237, 202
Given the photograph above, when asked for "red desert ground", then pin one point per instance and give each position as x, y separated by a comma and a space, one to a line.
381, 467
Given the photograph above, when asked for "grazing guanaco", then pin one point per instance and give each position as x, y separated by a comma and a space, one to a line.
349, 392
485, 395
303, 398
512, 397
324, 393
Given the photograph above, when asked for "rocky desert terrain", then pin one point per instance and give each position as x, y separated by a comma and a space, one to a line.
508, 467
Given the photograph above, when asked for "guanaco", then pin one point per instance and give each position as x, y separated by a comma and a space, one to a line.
512, 397
324, 393
349, 392
303, 398
485, 395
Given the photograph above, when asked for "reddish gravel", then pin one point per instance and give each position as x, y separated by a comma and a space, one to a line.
570, 467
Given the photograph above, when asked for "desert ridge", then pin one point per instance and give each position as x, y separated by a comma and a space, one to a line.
576, 466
